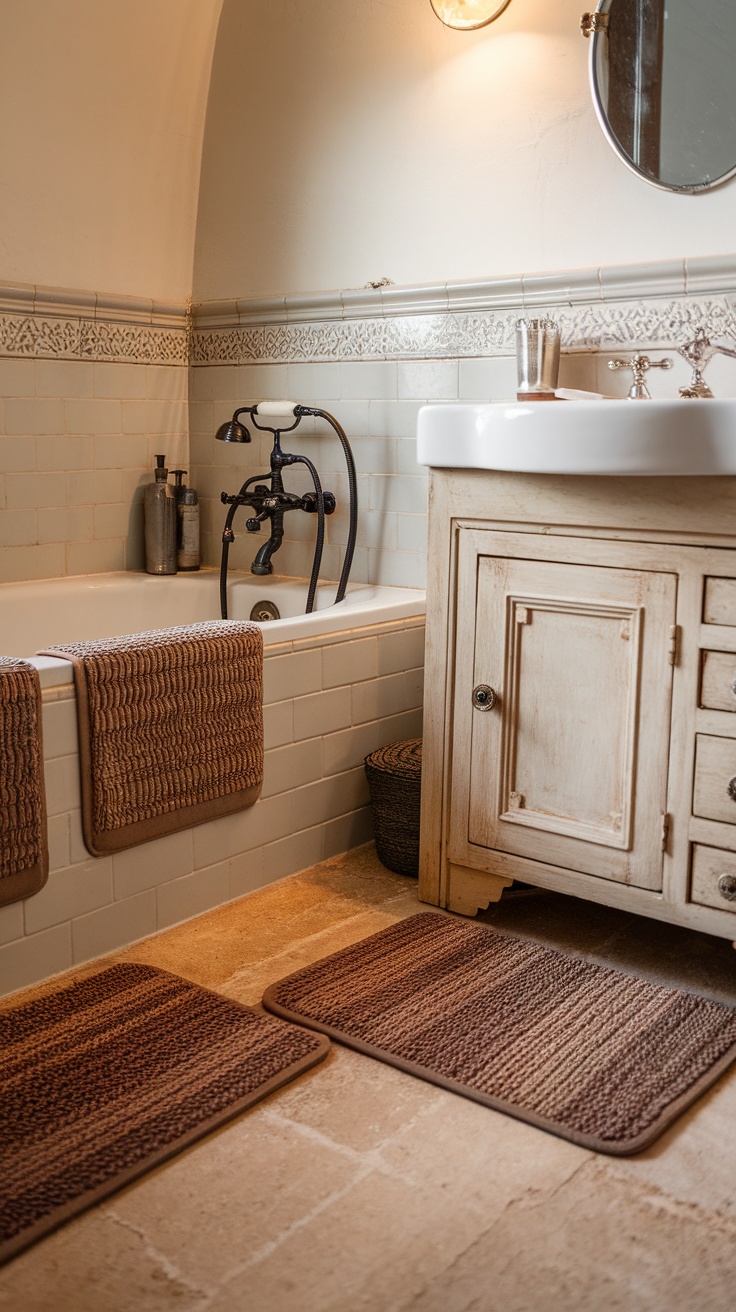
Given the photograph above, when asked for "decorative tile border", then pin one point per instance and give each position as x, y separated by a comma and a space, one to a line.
54, 324
660, 305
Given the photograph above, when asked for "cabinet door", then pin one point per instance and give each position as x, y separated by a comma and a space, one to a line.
569, 766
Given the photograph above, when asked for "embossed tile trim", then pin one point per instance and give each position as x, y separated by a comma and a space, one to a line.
660, 304
59, 324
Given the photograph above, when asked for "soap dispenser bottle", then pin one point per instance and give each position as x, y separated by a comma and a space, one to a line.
187, 555
159, 517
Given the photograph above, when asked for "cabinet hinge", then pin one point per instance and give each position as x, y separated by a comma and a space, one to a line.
666, 818
674, 644
591, 23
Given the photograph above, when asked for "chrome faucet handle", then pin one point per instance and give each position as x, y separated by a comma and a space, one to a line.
640, 365
697, 353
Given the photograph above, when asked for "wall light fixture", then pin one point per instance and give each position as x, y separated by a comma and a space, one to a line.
467, 14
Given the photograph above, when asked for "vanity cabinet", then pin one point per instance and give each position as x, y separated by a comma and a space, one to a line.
580, 713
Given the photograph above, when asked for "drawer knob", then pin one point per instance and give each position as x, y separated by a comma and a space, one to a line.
727, 887
731, 788
484, 699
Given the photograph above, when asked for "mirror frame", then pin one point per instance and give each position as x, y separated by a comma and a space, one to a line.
688, 188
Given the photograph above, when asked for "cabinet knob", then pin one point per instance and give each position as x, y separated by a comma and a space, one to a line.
727, 887
484, 699
731, 788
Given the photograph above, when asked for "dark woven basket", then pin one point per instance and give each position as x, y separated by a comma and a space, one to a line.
394, 776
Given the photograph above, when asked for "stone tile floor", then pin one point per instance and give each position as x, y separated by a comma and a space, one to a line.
361, 1189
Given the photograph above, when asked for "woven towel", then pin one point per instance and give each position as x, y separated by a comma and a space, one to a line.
170, 729
24, 852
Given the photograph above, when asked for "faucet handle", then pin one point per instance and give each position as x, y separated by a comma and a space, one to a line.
640, 365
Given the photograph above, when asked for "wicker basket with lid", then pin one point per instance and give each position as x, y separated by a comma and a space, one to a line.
394, 776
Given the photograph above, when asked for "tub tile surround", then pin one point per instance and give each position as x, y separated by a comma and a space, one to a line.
372, 357
327, 703
93, 387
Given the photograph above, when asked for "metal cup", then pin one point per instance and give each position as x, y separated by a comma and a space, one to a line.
537, 355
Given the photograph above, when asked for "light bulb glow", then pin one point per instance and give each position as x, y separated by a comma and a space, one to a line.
467, 14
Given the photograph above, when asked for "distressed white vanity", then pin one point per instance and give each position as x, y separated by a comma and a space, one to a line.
580, 705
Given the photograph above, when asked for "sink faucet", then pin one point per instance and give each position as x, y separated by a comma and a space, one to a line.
639, 365
697, 353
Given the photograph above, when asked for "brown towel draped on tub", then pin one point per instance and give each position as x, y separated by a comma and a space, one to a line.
170, 729
24, 852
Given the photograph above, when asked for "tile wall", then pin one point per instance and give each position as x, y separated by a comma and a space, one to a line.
77, 444
327, 703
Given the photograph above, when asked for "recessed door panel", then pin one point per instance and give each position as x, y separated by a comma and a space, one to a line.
569, 766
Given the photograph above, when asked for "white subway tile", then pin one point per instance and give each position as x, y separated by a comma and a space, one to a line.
348, 748
289, 767
349, 662
98, 557
117, 451
69, 893
61, 452
17, 378
369, 380
291, 855
60, 737
93, 415
488, 380
37, 956
314, 384
166, 382
62, 785
246, 873
322, 713
278, 724
153, 863
154, 417
92, 487
375, 455
428, 380
113, 926
34, 491
221, 839
399, 569
11, 922
59, 846
291, 676
17, 454
61, 378
347, 831
180, 899
65, 524
406, 459
22, 563
18, 528
396, 419
112, 521
400, 492
32, 418
116, 381
399, 651
385, 696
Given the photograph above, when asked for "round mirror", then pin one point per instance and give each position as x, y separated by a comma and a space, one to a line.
662, 76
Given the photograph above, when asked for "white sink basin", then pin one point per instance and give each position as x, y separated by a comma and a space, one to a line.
581, 437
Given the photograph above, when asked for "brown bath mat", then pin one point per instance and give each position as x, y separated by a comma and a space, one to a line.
170, 729
24, 853
590, 1053
102, 1080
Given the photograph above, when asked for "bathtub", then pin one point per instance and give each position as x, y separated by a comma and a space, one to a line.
337, 684
47, 612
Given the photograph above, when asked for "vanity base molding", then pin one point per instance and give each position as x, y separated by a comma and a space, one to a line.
581, 735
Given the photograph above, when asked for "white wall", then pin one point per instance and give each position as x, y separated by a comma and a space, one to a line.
348, 140
103, 106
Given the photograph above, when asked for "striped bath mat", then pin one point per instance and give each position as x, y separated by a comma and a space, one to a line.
102, 1080
24, 852
170, 729
593, 1054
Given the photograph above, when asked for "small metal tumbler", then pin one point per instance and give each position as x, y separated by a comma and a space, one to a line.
537, 356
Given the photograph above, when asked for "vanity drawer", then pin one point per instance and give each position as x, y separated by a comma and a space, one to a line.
718, 681
713, 882
719, 605
714, 795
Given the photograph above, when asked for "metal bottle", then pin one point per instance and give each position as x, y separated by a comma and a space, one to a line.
159, 518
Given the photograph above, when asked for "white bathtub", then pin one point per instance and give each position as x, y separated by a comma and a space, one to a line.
337, 684
41, 614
